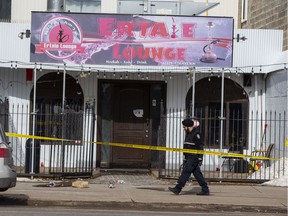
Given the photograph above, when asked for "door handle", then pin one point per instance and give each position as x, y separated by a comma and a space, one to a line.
147, 122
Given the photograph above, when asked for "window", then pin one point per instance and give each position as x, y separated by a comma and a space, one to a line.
5, 10
247, 80
244, 10
234, 124
83, 6
50, 120
208, 111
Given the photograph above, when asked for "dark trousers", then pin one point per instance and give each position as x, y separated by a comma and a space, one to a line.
191, 165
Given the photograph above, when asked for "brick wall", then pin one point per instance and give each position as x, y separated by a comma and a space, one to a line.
268, 14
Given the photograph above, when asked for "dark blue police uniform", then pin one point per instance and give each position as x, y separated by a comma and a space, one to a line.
192, 162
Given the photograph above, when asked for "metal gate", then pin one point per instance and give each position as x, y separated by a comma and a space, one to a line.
74, 157
70, 156
259, 131
4, 106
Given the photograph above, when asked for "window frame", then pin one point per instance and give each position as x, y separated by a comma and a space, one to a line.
81, 3
244, 10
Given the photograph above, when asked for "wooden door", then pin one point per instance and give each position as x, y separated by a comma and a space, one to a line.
131, 119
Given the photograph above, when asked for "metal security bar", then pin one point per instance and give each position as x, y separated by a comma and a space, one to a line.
247, 134
251, 135
53, 158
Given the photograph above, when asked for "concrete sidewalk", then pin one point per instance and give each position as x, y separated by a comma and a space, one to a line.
149, 194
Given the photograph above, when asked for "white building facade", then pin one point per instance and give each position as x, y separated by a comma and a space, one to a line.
259, 71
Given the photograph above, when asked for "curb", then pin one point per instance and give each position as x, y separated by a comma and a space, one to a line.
158, 206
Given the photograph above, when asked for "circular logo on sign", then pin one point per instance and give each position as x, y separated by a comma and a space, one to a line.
61, 38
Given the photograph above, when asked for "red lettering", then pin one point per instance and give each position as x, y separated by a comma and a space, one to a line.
159, 29
169, 54
129, 53
116, 52
106, 26
188, 30
125, 27
142, 53
143, 28
156, 53
180, 53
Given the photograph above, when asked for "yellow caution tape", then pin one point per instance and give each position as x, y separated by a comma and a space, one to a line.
35, 137
156, 148
194, 151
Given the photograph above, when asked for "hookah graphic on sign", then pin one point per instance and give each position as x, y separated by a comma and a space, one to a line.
208, 55
60, 38
131, 39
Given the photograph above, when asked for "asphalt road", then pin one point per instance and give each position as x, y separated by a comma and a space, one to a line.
48, 211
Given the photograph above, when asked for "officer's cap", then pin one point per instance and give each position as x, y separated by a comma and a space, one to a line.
188, 122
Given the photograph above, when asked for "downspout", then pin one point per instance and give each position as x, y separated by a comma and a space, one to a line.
33, 119
256, 93
193, 92
222, 118
62, 115
59, 6
265, 89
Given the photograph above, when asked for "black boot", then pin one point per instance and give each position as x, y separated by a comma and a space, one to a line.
175, 190
203, 193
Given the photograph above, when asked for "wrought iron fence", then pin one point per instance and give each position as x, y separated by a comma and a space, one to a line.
247, 136
253, 135
52, 157
4, 107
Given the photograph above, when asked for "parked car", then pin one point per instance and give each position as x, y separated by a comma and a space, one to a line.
8, 176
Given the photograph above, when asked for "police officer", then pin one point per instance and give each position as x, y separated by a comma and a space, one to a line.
192, 162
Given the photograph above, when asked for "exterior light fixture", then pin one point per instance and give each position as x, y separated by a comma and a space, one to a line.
238, 38
27, 34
